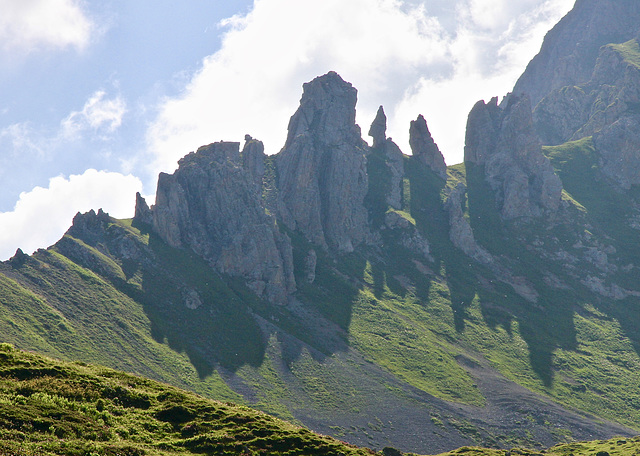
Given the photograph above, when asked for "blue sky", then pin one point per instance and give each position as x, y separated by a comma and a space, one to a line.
98, 97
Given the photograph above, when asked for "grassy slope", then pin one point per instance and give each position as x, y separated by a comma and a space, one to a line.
611, 447
50, 407
629, 50
572, 345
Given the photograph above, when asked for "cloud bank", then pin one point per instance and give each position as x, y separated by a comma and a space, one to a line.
43, 215
30, 25
413, 57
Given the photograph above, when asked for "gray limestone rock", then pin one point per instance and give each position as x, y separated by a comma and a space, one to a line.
322, 176
502, 140
142, 213
460, 231
253, 159
424, 148
310, 266
618, 146
378, 130
573, 112
409, 235
393, 156
212, 205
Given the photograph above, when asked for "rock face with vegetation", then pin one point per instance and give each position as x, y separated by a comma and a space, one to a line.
570, 49
605, 107
378, 297
213, 205
502, 140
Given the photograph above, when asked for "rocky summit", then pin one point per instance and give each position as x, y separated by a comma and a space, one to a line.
213, 205
503, 141
322, 176
387, 299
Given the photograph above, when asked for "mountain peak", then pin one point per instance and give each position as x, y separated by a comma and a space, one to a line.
328, 109
569, 51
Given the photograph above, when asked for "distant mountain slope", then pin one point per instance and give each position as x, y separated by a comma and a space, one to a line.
570, 49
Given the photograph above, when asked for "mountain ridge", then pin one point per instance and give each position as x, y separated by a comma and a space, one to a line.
382, 298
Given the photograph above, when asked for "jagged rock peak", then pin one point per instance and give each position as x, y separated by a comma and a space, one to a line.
253, 157
378, 130
88, 226
212, 205
18, 259
142, 213
502, 140
481, 133
424, 148
328, 108
570, 49
322, 175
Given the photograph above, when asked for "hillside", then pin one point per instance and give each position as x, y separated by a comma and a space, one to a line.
379, 297
49, 407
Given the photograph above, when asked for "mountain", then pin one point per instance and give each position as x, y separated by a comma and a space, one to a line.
382, 298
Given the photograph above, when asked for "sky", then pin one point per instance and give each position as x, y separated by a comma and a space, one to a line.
98, 97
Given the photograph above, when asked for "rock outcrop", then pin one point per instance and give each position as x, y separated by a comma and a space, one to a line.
212, 205
613, 92
607, 107
460, 231
618, 146
253, 159
142, 212
378, 129
503, 141
393, 158
424, 148
322, 177
570, 49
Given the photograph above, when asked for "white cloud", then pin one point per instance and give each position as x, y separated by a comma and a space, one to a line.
29, 25
43, 215
395, 53
253, 84
490, 52
21, 139
98, 114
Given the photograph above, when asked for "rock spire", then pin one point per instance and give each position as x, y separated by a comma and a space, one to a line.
322, 167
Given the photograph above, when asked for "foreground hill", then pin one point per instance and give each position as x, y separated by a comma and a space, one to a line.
50, 407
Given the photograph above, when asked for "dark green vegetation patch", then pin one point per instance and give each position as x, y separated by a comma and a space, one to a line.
50, 407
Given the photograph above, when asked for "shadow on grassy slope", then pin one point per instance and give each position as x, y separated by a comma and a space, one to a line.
546, 324
195, 311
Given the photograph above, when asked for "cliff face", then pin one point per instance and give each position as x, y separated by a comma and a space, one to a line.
502, 140
605, 107
570, 49
322, 167
213, 205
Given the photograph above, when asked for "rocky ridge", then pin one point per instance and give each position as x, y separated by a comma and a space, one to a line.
570, 49
503, 142
212, 204
605, 107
